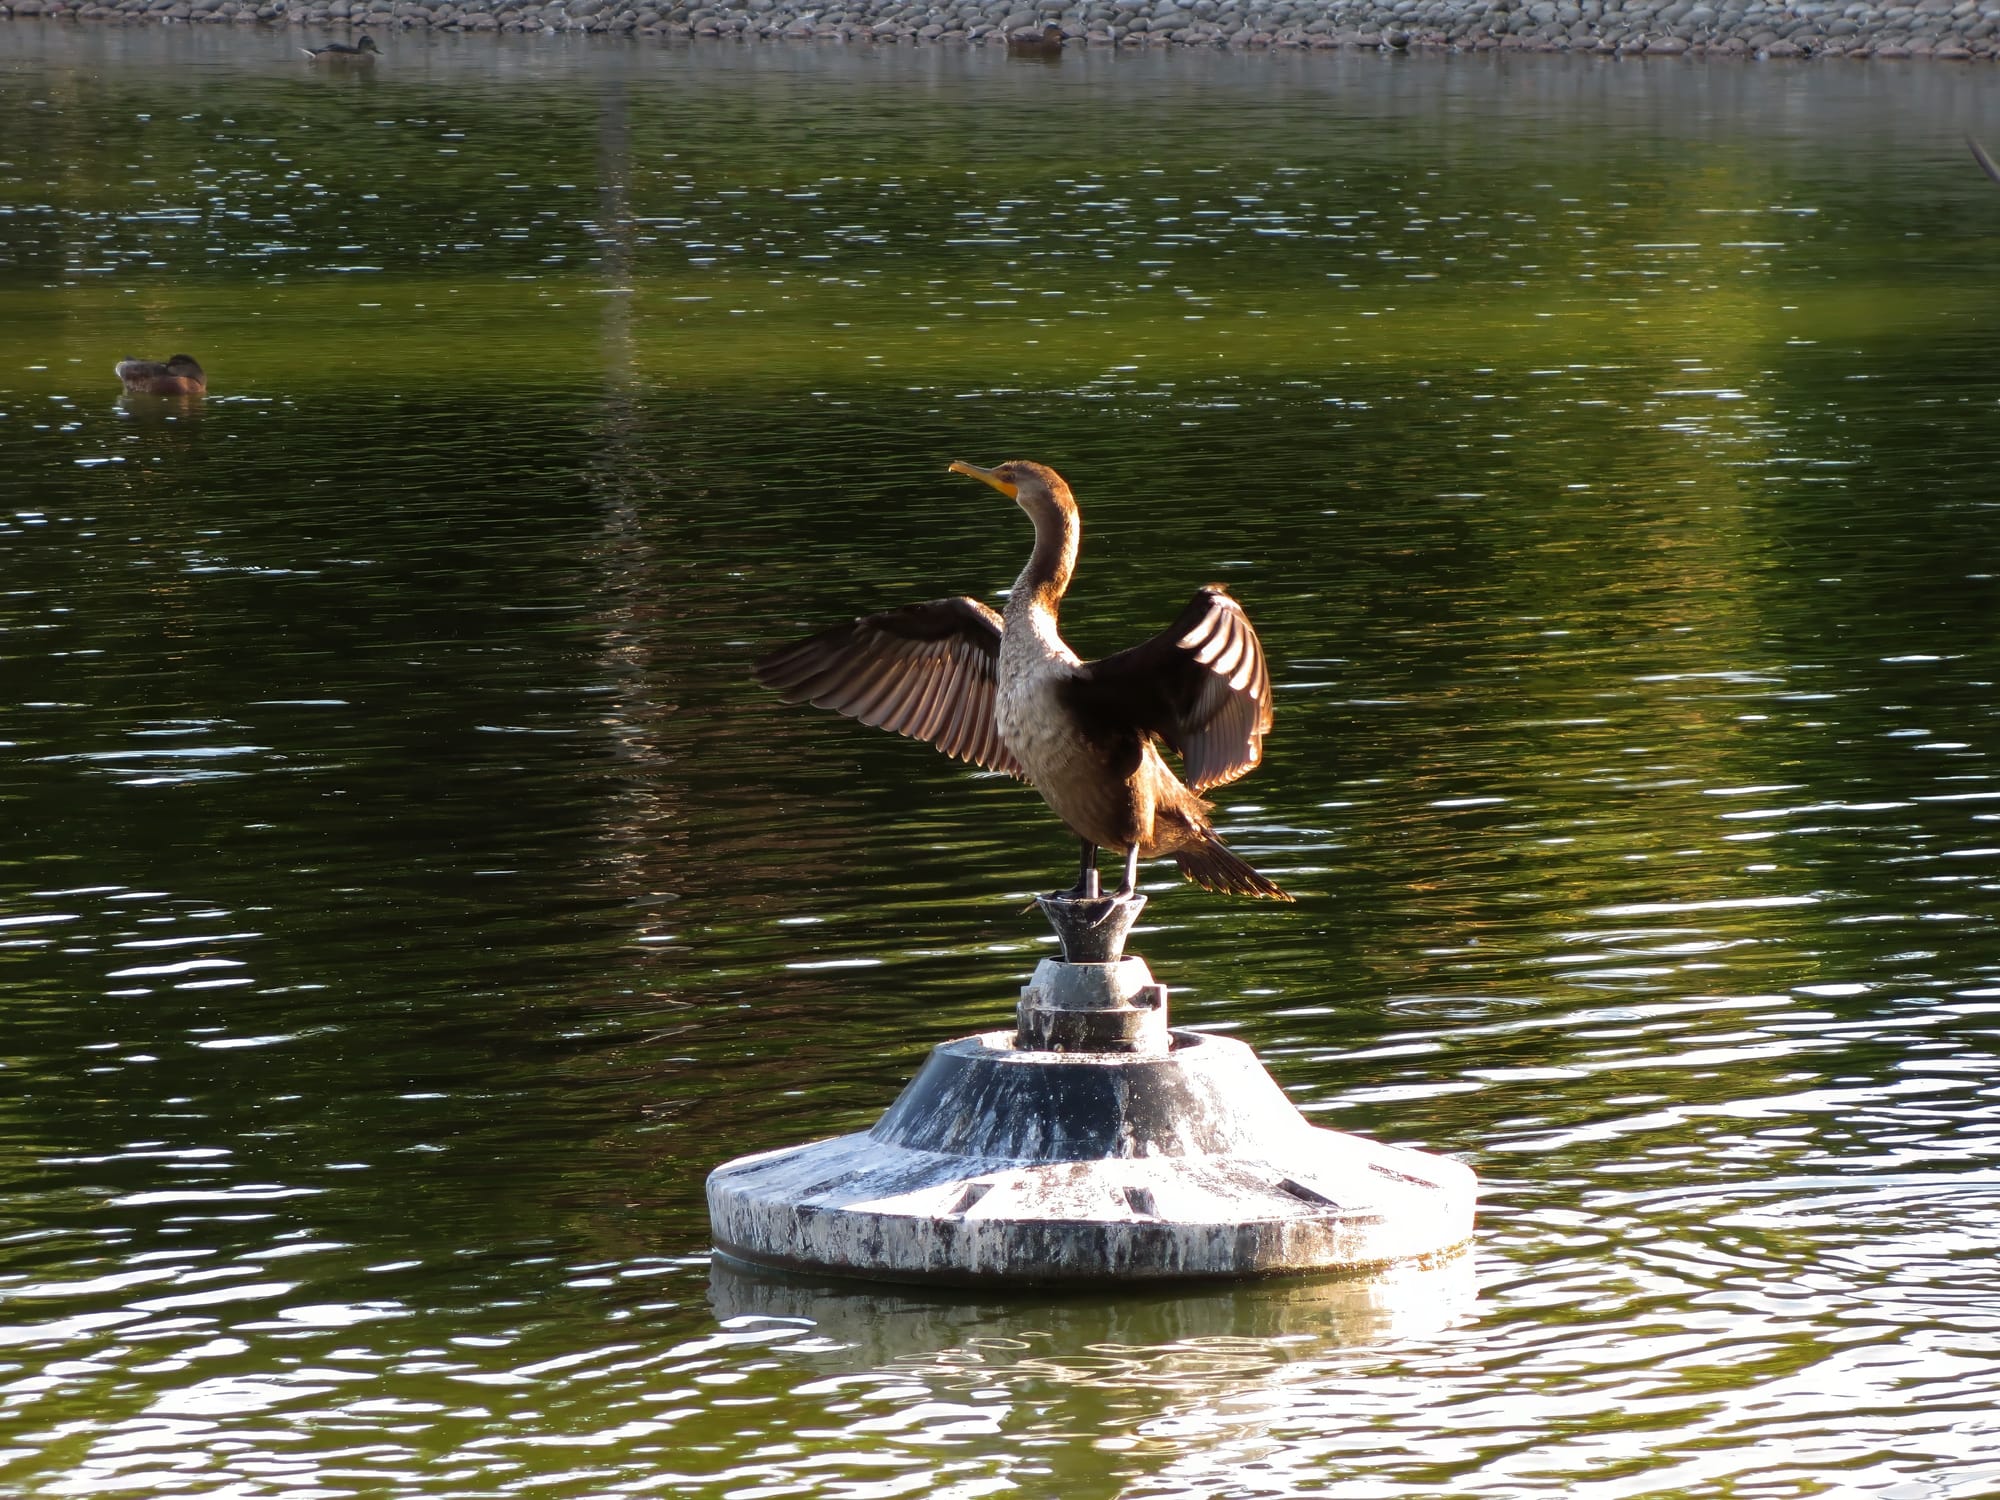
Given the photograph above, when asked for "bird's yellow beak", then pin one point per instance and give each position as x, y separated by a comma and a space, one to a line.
985, 476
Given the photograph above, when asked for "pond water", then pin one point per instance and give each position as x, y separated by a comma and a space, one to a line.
407, 898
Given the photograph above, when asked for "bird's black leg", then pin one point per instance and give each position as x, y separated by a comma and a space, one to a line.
1086, 887
1131, 871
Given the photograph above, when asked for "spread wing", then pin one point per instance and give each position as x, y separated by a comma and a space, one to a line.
1201, 685
925, 670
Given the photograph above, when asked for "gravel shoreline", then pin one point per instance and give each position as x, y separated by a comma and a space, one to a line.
1949, 29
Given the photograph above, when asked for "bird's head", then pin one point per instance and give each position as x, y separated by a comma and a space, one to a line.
183, 364
1034, 487
367, 44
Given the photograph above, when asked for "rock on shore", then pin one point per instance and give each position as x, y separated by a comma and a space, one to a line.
1951, 29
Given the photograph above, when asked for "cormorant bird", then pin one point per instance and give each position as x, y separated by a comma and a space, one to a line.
362, 49
179, 376
1006, 693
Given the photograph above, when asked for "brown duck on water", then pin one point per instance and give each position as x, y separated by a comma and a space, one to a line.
179, 376
1045, 42
1005, 692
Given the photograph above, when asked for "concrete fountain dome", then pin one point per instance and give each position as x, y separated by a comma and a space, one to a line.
1091, 1144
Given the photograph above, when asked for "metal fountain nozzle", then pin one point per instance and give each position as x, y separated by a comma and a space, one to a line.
1094, 998
1092, 929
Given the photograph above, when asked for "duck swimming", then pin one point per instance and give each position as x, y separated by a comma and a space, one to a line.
1005, 692
360, 50
179, 376
1044, 41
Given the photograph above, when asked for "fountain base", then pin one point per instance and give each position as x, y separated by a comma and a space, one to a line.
1091, 1144
1001, 1164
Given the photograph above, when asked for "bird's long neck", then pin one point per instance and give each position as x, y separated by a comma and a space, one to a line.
1043, 582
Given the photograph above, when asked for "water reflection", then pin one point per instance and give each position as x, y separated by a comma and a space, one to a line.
1195, 1340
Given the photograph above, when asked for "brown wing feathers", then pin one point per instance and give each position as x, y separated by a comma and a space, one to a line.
926, 670
929, 671
1201, 685
1222, 732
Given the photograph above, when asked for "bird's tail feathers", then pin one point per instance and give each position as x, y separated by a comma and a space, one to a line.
1212, 866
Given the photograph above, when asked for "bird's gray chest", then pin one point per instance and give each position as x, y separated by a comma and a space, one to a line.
1028, 709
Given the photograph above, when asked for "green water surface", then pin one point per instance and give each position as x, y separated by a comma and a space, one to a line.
405, 898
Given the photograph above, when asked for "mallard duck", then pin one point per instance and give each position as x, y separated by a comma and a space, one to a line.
1005, 692
179, 376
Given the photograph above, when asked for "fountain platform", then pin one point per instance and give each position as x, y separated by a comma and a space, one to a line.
1092, 1143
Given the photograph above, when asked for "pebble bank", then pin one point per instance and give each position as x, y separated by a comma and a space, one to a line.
1950, 29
